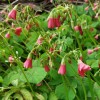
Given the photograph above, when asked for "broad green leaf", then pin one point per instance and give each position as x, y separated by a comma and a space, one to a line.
10, 77
34, 75
95, 64
61, 93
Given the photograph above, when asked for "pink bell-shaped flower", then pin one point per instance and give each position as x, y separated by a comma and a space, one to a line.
18, 30
62, 68
89, 51
12, 14
57, 22
82, 68
51, 23
28, 63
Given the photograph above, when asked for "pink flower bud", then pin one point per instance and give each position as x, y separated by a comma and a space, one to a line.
82, 68
95, 8
39, 40
18, 30
11, 59
78, 28
96, 37
95, 4
51, 23
47, 69
90, 51
28, 27
39, 84
51, 50
86, 1
62, 69
96, 16
96, 49
87, 8
12, 14
28, 63
7, 35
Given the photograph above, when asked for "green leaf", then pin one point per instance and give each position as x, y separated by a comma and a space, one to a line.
8, 94
95, 64
61, 93
97, 90
52, 96
18, 97
26, 94
34, 75
39, 96
10, 77
69, 41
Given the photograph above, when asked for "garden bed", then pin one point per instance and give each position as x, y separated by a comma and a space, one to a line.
50, 51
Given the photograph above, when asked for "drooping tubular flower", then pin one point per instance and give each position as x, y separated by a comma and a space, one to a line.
82, 68
78, 28
89, 51
62, 68
51, 23
57, 22
28, 62
12, 14
18, 30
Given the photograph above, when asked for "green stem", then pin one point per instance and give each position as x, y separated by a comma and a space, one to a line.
79, 44
20, 67
90, 85
84, 90
26, 77
66, 88
91, 38
71, 87
95, 79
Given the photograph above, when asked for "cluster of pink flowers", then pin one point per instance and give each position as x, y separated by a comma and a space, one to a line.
12, 15
90, 51
54, 22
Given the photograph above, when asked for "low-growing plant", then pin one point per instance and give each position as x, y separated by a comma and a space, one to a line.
50, 56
